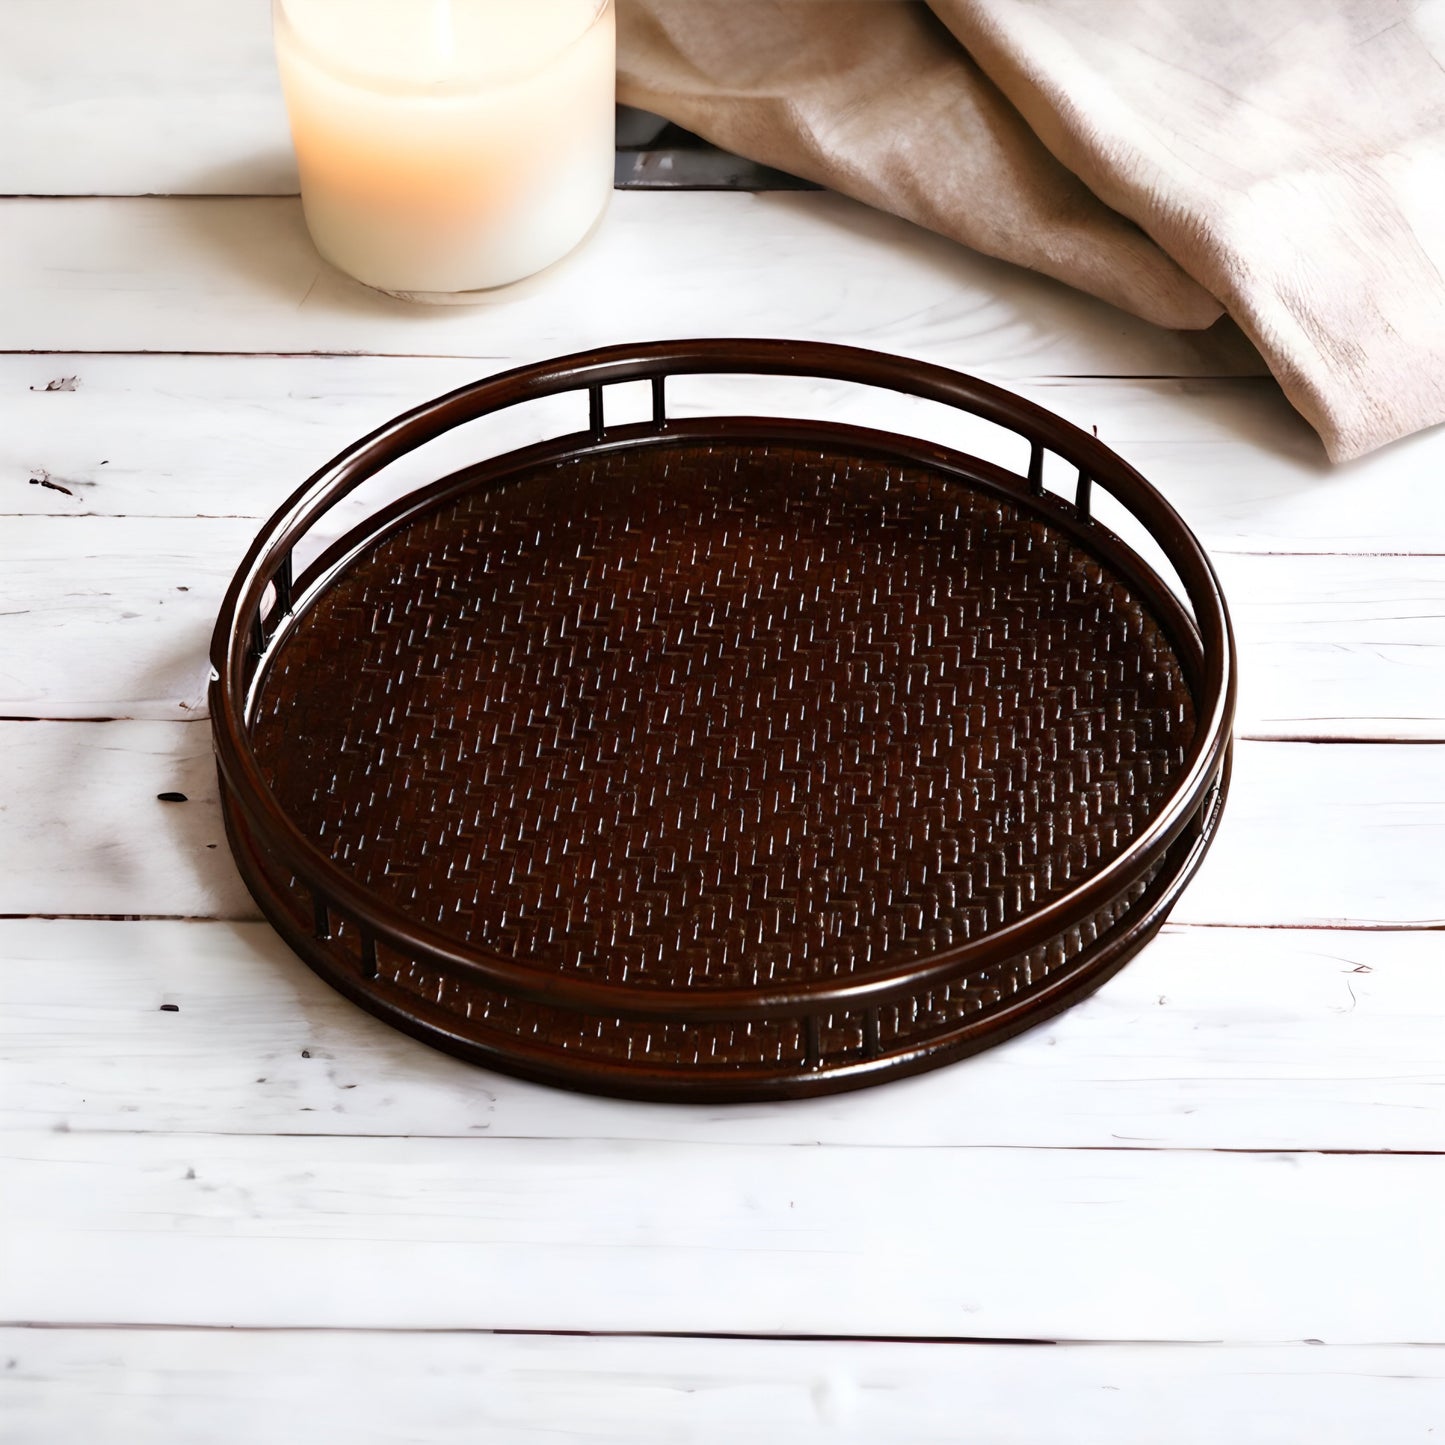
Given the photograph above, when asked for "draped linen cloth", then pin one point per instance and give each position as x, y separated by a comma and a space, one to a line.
1279, 160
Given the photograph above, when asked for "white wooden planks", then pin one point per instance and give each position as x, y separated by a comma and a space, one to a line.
106, 98
241, 275
1326, 834
1332, 646
1212, 1038
282, 1387
84, 830
112, 616
515, 1203
187, 436
123, 448
1338, 646
653, 1235
106, 616
231, 435
1314, 835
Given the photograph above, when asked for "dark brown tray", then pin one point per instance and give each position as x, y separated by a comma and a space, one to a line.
722, 758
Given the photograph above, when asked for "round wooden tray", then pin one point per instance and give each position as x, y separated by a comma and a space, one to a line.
722, 757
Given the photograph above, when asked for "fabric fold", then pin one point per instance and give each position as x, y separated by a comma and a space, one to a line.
1290, 157
1178, 158
877, 100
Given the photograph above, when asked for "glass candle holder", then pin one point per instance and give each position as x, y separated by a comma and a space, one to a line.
449, 146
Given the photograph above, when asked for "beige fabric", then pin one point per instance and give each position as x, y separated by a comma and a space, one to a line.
1288, 155
877, 100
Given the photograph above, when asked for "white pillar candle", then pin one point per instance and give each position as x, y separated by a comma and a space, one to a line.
449, 145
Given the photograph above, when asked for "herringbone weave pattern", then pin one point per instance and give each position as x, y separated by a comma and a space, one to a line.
693, 718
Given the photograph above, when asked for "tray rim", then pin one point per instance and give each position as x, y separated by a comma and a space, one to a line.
242, 641
1081, 976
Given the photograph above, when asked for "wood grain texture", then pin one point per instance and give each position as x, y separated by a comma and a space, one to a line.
241, 275
111, 617
1338, 646
85, 830
96, 104
1314, 835
1212, 1038
168, 427
228, 435
176, 1387
95, 624
1326, 834
141, 435
614, 1235
237, 1160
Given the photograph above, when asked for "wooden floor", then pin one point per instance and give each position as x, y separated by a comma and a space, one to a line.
1205, 1204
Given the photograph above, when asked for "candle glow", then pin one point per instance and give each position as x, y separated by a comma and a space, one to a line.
449, 145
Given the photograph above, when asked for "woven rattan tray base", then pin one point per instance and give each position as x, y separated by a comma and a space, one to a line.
723, 759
